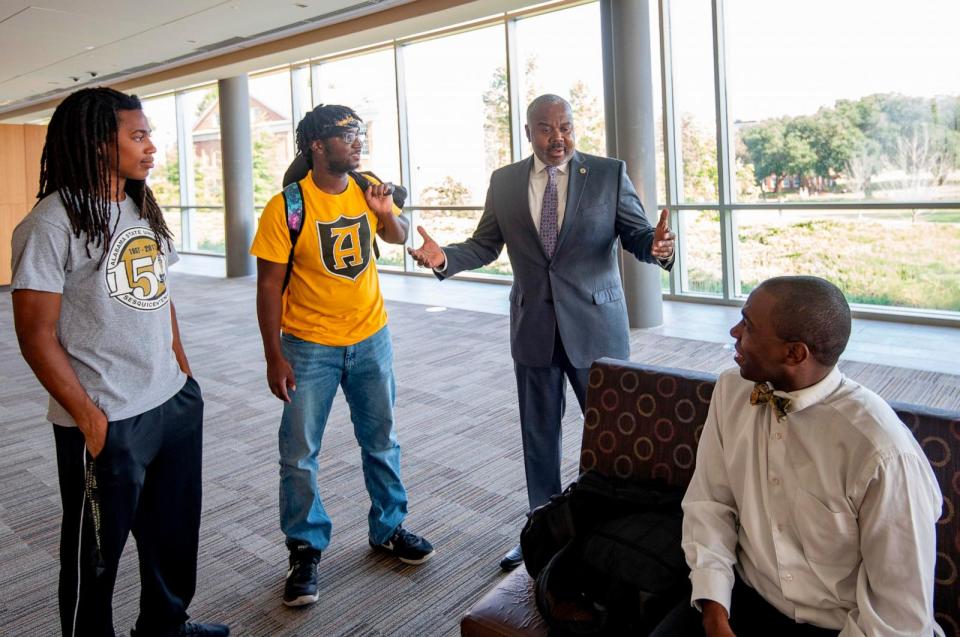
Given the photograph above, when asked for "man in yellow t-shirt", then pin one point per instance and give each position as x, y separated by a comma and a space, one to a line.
328, 329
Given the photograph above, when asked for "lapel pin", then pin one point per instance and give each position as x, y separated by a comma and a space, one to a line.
583, 171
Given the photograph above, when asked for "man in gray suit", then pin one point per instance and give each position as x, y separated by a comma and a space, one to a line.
560, 214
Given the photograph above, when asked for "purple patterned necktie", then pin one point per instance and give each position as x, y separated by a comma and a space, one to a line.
548, 213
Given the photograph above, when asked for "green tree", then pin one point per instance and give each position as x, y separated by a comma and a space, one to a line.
832, 138
862, 166
264, 181
496, 120
449, 192
945, 117
698, 150
532, 86
496, 113
587, 119
208, 98
778, 149
857, 139
165, 180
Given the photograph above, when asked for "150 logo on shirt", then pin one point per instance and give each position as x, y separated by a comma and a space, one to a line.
136, 272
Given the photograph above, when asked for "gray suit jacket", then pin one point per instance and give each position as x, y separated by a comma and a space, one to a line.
578, 291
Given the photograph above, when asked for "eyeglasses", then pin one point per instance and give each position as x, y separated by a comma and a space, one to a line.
351, 136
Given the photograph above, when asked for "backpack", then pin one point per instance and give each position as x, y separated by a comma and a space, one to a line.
606, 556
293, 207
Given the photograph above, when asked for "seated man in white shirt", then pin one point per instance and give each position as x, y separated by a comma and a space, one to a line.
812, 509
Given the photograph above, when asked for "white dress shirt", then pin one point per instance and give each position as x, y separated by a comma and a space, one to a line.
538, 183
829, 513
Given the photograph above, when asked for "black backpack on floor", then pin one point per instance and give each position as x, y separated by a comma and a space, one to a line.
606, 556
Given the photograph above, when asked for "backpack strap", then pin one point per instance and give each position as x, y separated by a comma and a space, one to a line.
362, 180
293, 208
399, 192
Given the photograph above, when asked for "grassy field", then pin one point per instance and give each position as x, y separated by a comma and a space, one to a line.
874, 258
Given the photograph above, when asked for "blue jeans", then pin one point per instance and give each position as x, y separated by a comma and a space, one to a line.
365, 371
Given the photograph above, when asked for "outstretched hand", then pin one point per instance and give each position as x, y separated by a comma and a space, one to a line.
662, 237
430, 254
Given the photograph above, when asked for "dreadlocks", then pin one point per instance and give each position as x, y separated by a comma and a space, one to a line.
322, 122
76, 164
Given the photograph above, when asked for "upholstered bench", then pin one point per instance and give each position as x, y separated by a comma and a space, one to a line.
644, 422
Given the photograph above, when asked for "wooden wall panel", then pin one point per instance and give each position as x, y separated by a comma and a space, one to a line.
33, 140
20, 150
12, 170
10, 215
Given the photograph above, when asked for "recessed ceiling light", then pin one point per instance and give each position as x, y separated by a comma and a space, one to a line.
89, 47
436, 308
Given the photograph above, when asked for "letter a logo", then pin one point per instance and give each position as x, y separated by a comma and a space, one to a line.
345, 246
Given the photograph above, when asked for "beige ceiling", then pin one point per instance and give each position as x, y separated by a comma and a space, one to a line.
52, 47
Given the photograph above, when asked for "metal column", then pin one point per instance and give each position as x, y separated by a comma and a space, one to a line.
628, 77
237, 174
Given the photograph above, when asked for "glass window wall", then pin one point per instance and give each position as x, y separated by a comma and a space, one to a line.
204, 171
457, 133
164, 179
859, 120
271, 133
825, 169
551, 59
347, 81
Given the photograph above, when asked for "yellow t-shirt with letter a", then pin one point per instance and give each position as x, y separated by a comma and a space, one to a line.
334, 293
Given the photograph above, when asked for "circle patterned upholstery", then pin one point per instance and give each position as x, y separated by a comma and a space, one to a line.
644, 422
638, 422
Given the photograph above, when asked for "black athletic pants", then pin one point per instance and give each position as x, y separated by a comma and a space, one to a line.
148, 481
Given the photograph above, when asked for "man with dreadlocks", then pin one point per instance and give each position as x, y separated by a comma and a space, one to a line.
327, 329
95, 322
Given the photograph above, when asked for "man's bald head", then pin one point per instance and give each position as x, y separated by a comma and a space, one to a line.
542, 101
813, 311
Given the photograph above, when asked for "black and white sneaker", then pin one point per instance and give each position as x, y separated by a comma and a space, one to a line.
301, 586
407, 547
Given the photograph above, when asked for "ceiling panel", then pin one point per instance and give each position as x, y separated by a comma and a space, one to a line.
42, 47
34, 38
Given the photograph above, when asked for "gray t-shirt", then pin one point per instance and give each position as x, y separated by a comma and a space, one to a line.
114, 321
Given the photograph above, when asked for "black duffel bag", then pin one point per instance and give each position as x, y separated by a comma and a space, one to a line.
606, 556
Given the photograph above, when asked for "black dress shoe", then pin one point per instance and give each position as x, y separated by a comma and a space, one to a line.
512, 559
204, 630
188, 629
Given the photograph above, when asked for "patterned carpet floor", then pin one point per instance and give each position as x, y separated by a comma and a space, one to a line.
462, 467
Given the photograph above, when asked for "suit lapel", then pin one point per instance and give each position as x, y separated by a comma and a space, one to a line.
577, 173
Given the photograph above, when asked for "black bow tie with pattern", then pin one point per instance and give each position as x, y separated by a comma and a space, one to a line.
762, 394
